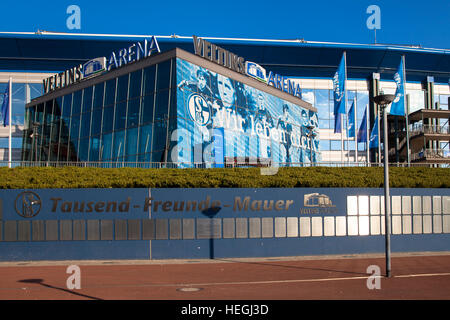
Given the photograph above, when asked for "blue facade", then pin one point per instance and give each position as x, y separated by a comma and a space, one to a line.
217, 223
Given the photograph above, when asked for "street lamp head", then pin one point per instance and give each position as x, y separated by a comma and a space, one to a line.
383, 99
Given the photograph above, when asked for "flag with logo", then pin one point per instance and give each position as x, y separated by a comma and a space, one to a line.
351, 121
398, 105
373, 142
5, 107
362, 132
339, 93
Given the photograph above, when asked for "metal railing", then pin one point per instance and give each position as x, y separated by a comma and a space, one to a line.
418, 128
203, 165
431, 154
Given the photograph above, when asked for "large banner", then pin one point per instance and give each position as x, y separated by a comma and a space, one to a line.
221, 120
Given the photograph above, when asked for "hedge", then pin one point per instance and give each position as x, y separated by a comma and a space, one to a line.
313, 177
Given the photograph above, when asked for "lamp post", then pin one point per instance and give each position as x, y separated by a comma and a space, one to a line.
383, 100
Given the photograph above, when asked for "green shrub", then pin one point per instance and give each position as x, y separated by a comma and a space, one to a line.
311, 177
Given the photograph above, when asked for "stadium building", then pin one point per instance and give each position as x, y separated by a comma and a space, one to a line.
215, 101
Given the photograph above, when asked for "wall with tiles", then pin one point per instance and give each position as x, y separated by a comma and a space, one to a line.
66, 224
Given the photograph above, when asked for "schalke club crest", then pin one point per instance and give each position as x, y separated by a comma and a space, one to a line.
28, 204
199, 109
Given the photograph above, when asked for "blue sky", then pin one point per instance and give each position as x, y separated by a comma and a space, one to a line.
414, 22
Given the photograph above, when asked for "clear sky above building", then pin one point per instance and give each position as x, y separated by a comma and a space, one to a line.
412, 22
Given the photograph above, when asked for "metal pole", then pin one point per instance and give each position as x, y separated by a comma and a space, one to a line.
10, 124
387, 203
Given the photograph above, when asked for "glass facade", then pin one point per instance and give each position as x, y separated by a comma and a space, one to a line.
162, 113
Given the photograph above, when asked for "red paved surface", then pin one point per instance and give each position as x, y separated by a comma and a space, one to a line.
413, 277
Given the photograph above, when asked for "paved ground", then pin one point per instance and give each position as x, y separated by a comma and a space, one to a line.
419, 276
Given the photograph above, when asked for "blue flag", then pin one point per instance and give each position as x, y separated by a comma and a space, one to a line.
337, 123
339, 90
351, 121
5, 107
398, 105
339, 93
362, 133
373, 142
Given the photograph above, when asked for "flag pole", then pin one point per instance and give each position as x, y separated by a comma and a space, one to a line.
367, 133
345, 102
406, 104
355, 126
9, 115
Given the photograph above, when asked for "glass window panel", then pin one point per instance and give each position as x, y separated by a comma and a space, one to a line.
119, 145
163, 75
132, 139
76, 105
149, 80
57, 109
323, 103
75, 127
87, 99
122, 88
324, 145
105, 147
83, 151
362, 99
36, 90
133, 112
145, 138
99, 91
147, 109
108, 116
110, 92
94, 148
416, 100
120, 115
443, 99
96, 124
173, 103
67, 105
157, 156
135, 84
19, 94
325, 124
159, 136
73, 150
335, 145
85, 124
308, 96
162, 105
